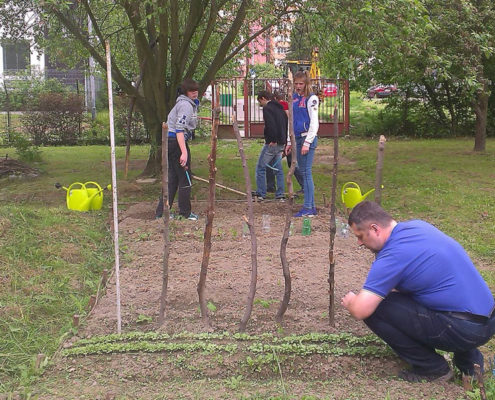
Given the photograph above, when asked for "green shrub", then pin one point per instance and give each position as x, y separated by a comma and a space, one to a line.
25, 149
55, 118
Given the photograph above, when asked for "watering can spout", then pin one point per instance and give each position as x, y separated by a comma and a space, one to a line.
367, 194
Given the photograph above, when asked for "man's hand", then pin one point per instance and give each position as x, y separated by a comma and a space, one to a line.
287, 149
347, 299
361, 305
305, 149
183, 159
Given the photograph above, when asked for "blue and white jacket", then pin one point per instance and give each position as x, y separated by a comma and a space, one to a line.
305, 114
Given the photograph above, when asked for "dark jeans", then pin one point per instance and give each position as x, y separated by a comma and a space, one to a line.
414, 332
177, 180
270, 176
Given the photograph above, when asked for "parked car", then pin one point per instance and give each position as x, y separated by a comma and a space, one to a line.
208, 94
330, 90
381, 91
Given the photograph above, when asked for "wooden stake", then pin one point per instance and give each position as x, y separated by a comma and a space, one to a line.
104, 277
114, 186
284, 303
92, 302
333, 228
379, 168
250, 222
166, 224
39, 360
210, 213
75, 320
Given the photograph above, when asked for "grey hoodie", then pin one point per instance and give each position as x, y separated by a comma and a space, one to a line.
183, 117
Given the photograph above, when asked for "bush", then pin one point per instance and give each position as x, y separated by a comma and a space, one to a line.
55, 118
25, 148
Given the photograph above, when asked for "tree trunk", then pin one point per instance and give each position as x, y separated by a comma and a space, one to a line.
166, 222
250, 222
333, 228
210, 214
481, 111
284, 304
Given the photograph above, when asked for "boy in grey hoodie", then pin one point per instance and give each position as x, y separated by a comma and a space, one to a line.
181, 121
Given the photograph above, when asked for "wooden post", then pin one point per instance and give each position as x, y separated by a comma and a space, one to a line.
92, 302
114, 186
210, 213
75, 320
39, 360
333, 228
250, 222
284, 304
379, 169
104, 277
166, 224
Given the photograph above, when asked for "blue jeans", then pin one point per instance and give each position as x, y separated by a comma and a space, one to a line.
414, 332
272, 156
305, 165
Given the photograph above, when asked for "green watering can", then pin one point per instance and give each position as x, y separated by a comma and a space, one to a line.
84, 196
351, 194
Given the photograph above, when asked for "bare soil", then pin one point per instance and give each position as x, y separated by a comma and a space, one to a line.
201, 376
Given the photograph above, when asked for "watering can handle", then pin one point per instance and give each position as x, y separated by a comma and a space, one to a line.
76, 183
346, 185
93, 183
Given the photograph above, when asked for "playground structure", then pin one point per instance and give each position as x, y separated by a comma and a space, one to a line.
238, 96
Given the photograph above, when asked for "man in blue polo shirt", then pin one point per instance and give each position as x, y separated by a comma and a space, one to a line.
422, 293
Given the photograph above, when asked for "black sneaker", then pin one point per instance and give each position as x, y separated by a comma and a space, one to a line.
411, 376
280, 198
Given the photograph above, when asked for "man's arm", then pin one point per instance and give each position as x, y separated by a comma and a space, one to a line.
361, 305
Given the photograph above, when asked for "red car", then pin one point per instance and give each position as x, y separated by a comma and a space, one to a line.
381, 91
330, 90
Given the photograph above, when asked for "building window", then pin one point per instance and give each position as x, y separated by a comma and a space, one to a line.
15, 56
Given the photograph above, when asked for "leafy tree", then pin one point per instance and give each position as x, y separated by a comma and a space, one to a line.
440, 48
157, 42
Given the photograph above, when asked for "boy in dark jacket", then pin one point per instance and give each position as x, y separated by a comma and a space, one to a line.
275, 133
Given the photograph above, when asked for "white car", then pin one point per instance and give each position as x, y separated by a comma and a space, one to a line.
207, 94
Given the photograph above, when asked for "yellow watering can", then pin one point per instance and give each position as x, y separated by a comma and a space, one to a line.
84, 196
351, 194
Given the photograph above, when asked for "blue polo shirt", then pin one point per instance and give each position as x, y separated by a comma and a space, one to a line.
431, 267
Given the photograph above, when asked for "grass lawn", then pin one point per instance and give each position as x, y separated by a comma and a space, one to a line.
51, 258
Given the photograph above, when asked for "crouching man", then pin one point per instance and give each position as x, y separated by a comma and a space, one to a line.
422, 293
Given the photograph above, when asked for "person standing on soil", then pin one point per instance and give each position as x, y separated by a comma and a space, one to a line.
270, 176
181, 121
422, 293
306, 124
275, 133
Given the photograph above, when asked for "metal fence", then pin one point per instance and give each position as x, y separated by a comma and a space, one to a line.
238, 96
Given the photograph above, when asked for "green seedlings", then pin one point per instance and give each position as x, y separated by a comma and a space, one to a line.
264, 303
211, 306
143, 319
